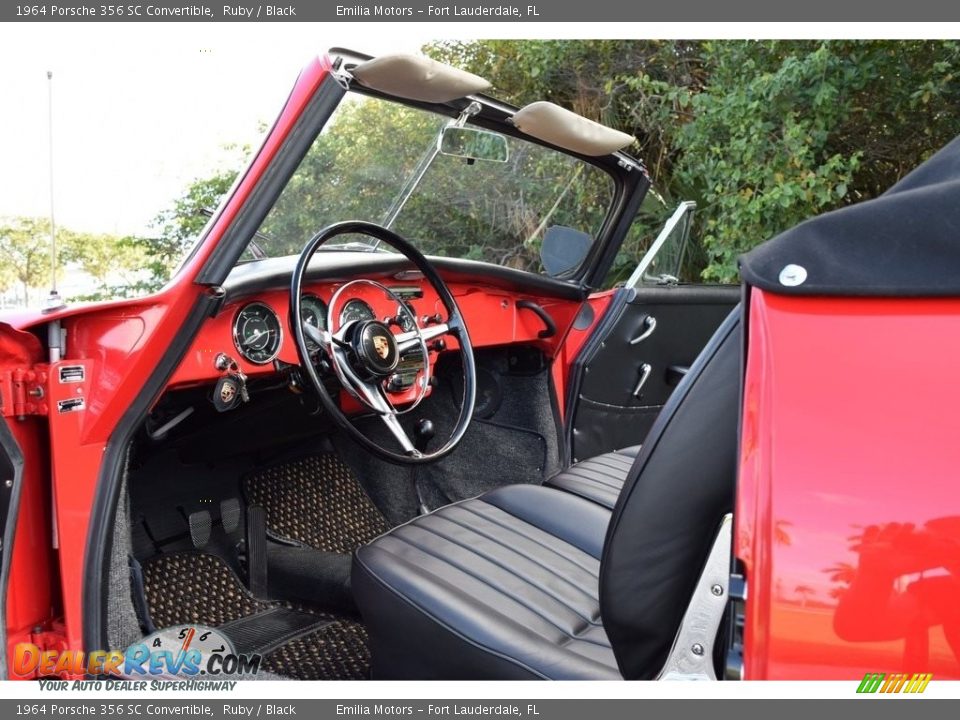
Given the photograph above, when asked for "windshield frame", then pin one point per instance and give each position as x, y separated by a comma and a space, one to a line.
630, 178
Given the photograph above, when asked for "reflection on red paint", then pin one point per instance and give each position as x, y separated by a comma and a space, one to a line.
848, 501
906, 582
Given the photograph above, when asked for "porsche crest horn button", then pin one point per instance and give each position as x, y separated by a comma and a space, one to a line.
377, 348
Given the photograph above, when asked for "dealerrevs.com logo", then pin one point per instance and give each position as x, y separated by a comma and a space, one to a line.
895, 683
175, 652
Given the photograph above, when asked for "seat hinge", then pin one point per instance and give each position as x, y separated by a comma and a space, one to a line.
691, 657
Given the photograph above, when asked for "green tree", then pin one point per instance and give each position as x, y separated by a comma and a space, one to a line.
7, 281
104, 256
180, 225
760, 134
25, 249
116, 263
357, 169
756, 149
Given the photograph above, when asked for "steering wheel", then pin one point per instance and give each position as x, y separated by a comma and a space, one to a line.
365, 353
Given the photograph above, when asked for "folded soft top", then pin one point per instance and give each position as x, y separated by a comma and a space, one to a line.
905, 243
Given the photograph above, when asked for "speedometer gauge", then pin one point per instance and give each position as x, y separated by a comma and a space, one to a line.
356, 310
257, 333
313, 311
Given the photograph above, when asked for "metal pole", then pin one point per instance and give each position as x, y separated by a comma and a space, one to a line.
53, 225
53, 301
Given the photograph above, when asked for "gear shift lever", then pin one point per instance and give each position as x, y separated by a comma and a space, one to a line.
423, 433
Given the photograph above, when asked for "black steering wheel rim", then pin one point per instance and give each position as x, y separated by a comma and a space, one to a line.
455, 324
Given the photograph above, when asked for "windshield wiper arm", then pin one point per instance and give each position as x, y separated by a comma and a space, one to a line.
429, 155
255, 249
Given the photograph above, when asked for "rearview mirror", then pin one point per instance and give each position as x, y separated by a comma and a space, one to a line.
563, 249
473, 144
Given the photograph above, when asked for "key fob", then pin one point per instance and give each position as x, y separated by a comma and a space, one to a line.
228, 392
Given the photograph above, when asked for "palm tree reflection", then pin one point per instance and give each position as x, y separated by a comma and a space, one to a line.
906, 581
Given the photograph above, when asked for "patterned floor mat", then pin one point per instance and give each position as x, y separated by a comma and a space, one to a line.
316, 501
194, 587
336, 651
199, 588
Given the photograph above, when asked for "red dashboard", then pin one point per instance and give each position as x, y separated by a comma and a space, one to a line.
492, 315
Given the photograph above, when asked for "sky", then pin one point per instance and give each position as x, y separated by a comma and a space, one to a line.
140, 110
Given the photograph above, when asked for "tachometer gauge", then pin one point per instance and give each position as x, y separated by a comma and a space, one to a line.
356, 310
313, 311
257, 333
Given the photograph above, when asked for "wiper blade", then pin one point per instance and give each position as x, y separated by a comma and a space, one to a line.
255, 249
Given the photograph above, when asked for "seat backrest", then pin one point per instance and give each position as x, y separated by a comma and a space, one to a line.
671, 505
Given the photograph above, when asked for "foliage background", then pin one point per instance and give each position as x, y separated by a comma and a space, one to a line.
761, 134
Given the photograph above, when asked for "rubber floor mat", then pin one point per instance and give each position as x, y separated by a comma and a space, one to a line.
193, 587
316, 501
267, 631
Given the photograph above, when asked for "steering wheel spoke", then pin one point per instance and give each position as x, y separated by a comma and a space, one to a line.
396, 429
414, 338
318, 336
372, 394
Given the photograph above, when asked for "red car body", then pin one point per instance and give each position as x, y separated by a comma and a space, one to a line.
848, 487
844, 432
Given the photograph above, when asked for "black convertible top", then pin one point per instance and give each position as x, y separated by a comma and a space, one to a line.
904, 243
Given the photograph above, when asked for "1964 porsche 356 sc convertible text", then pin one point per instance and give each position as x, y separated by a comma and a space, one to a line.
335, 447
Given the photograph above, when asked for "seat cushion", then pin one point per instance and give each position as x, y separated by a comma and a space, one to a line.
500, 586
599, 478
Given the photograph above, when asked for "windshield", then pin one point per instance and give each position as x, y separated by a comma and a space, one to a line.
378, 161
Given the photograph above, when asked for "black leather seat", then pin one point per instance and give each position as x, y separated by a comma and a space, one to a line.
599, 478
507, 582
513, 584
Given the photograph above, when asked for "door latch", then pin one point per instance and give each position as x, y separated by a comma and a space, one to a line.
649, 324
645, 371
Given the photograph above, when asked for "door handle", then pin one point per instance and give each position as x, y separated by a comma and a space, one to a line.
550, 328
645, 371
650, 323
